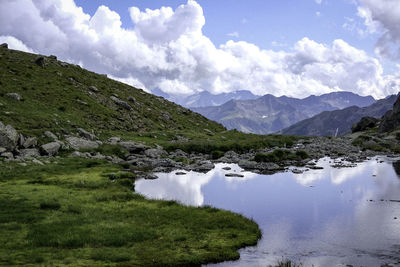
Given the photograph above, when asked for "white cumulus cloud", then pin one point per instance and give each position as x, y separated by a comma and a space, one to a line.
383, 17
167, 50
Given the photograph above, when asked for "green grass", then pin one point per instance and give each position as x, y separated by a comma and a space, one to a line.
52, 101
73, 212
279, 155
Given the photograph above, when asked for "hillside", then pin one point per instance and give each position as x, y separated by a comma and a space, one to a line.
269, 114
60, 97
326, 123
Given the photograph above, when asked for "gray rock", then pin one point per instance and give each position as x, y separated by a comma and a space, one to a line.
134, 147
114, 140
86, 134
80, 143
40, 61
76, 154
15, 96
8, 137
2, 149
155, 153
203, 166
93, 89
247, 164
234, 175
29, 153
21, 140
51, 135
227, 168
180, 173
98, 156
50, 149
36, 161
4, 45
7, 155
121, 103
30, 142
82, 102
150, 176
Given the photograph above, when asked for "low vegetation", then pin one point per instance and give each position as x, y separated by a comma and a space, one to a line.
279, 155
66, 214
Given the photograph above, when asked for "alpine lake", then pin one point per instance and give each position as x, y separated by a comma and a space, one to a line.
347, 216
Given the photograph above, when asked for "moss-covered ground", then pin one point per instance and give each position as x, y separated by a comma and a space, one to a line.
70, 212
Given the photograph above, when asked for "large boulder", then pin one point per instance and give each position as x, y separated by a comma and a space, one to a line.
364, 124
391, 120
134, 147
80, 143
50, 149
8, 137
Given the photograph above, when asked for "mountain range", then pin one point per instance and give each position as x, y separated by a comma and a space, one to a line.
269, 114
205, 98
339, 122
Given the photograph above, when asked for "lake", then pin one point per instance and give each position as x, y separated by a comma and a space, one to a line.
328, 217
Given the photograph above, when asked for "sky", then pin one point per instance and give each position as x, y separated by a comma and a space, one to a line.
181, 47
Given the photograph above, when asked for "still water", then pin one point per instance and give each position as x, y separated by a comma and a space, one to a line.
329, 217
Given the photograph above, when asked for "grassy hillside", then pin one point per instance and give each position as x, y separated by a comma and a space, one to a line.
58, 96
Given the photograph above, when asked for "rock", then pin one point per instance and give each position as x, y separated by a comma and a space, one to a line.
30, 142
7, 155
133, 147
132, 99
40, 61
15, 96
50, 149
180, 173
297, 171
4, 45
234, 175
76, 154
86, 134
99, 156
2, 149
37, 162
247, 164
8, 137
53, 57
93, 89
391, 120
80, 143
21, 140
82, 102
114, 140
364, 124
23, 164
51, 135
155, 153
121, 103
150, 176
203, 166
29, 153
227, 168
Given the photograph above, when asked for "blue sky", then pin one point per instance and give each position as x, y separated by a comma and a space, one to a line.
261, 22
281, 47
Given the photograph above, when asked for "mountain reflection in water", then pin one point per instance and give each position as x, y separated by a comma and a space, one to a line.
329, 217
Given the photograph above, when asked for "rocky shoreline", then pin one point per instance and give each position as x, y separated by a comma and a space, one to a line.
144, 160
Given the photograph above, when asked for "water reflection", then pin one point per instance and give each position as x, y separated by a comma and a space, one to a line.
322, 217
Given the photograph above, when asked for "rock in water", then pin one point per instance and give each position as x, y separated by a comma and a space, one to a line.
8, 137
